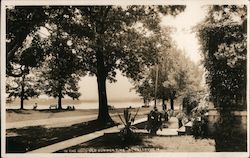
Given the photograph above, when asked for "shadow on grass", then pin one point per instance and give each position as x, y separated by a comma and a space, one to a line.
113, 142
141, 125
53, 110
28, 111
31, 138
18, 111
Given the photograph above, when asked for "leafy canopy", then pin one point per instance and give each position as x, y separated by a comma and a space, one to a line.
125, 35
223, 42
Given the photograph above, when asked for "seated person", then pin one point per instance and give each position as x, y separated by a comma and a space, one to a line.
35, 106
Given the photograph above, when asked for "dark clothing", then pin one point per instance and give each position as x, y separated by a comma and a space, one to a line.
154, 121
180, 123
164, 107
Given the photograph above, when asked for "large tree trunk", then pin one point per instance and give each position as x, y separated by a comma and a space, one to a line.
163, 100
172, 103
59, 103
60, 100
103, 115
172, 97
22, 92
22, 99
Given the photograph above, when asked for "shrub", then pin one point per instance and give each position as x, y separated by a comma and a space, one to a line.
200, 128
229, 135
189, 103
128, 134
200, 122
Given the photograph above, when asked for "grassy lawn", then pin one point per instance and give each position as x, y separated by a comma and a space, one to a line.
111, 143
16, 115
20, 140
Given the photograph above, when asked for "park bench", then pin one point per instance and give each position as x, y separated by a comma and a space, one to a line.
53, 106
185, 129
70, 107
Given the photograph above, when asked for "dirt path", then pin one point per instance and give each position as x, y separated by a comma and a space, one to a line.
172, 123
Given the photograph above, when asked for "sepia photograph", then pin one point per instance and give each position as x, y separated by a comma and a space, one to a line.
116, 79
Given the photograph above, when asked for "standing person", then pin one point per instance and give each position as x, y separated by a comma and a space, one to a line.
165, 114
180, 117
35, 106
164, 107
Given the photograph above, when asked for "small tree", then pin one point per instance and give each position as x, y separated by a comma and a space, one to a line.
128, 132
144, 87
60, 73
177, 76
171, 88
23, 87
24, 84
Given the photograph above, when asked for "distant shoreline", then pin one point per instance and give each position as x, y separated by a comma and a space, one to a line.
49, 101
77, 105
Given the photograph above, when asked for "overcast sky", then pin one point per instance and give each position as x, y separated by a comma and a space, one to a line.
183, 36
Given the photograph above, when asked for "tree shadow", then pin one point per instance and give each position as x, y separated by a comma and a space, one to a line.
30, 138
18, 111
53, 110
113, 142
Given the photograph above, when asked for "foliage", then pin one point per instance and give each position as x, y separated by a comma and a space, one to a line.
128, 133
114, 37
106, 38
24, 51
200, 121
229, 135
189, 103
200, 128
60, 73
223, 43
26, 87
223, 40
23, 84
199, 116
144, 88
177, 75
21, 22
125, 35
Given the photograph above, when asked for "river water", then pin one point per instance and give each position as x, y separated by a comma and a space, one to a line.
83, 105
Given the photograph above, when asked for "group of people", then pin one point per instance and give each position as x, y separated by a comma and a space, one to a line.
156, 118
68, 107
154, 122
